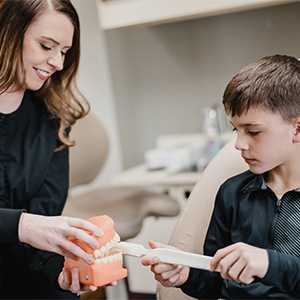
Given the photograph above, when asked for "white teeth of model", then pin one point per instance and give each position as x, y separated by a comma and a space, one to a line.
108, 246
96, 253
109, 259
104, 260
103, 250
102, 255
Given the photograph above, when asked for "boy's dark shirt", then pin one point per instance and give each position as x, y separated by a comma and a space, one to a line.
246, 211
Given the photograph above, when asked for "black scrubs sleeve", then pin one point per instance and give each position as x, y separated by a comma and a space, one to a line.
50, 200
9, 224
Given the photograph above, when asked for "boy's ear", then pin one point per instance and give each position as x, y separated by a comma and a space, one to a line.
297, 130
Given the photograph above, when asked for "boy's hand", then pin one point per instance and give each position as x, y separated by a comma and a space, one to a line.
241, 262
168, 275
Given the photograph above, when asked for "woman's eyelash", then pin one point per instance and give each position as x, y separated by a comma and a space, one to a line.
49, 48
45, 47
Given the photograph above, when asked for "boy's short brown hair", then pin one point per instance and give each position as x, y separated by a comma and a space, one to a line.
271, 83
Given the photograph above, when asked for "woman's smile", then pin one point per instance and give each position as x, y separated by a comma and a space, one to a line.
43, 75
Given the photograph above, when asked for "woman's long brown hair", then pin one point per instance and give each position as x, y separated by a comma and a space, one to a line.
60, 93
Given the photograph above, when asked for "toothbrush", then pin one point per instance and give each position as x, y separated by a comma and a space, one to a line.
167, 255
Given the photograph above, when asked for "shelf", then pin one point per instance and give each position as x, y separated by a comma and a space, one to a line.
127, 13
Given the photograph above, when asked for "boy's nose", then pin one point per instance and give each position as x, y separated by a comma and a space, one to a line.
241, 143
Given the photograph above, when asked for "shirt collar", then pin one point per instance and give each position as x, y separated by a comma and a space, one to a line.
258, 183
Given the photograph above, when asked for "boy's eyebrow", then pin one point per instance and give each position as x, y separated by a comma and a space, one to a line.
246, 124
250, 124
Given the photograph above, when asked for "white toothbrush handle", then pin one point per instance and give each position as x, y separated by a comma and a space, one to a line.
178, 257
167, 255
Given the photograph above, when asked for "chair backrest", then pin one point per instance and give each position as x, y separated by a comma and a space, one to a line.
190, 230
89, 154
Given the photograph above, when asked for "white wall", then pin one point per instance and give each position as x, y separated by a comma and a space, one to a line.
95, 82
147, 81
162, 76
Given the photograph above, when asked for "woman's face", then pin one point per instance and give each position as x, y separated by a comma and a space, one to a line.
45, 44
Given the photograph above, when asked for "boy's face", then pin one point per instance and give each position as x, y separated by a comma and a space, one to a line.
265, 140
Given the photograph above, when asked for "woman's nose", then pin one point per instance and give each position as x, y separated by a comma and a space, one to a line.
57, 61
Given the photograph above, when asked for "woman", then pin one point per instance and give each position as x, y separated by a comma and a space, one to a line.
39, 102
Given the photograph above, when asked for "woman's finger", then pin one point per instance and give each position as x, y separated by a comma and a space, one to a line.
75, 284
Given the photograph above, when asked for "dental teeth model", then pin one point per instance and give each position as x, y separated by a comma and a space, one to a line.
107, 253
108, 261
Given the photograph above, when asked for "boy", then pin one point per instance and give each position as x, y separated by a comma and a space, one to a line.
254, 232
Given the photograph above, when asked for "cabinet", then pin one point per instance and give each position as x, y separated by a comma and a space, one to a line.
125, 13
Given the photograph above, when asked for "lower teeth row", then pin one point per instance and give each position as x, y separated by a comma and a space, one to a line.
109, 259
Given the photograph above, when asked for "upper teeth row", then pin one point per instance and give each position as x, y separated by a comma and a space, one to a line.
105, 249
44, 73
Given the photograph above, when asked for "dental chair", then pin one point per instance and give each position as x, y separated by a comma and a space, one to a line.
190, 230
127, 206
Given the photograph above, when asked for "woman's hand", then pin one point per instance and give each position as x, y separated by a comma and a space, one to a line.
167, 274
52, 233
69, 280
241, 262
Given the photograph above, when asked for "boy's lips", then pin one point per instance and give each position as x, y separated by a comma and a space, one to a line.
249, 161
